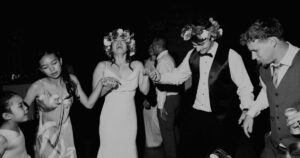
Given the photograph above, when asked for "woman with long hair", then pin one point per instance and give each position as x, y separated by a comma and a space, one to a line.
118, 120
54, 95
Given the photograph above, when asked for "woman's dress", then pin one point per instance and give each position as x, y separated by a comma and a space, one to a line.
118, 122
59, 133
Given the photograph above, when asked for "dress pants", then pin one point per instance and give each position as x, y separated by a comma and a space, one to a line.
202, 132
169, 131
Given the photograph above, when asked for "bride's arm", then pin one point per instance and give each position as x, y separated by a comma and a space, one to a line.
143, 79
98, 75
90, 101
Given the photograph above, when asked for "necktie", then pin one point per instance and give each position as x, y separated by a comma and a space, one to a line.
155, 63
275, 73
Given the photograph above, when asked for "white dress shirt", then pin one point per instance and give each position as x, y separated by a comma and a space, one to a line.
261, 101
238, 75
165, 63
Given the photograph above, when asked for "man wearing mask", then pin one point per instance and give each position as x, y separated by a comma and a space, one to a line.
220, 85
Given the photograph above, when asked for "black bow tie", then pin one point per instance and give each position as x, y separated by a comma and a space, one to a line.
206, 54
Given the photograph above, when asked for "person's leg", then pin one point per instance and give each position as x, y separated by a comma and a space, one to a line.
189, 134
270, 149
168, 126
231, 132
198, 134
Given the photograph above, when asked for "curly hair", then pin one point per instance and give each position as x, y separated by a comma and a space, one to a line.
125, 35
262, 29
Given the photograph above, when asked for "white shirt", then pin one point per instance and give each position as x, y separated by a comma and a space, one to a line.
165, 63
238, 75
261, 101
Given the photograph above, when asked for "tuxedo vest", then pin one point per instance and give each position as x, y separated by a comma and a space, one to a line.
222, 90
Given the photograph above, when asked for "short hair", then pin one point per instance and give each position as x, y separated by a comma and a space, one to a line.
262, 29
161, 42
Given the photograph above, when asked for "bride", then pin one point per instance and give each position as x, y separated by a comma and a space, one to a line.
118, 122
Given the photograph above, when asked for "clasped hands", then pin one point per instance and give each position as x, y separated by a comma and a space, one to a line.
110, 82
153, 74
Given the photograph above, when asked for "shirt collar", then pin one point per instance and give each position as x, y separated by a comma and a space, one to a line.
162, 54
289, 56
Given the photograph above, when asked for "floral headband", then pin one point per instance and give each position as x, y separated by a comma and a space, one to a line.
124, 35
202, 33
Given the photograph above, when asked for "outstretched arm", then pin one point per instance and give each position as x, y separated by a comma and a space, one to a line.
90, 101
176, 76
143, 78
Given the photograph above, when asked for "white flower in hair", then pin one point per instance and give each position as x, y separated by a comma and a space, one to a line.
119, 34
187, 33
106, 42
213, 156
212, 21
131, 53
120, 31
204, 34
220, 31
201, 32
132, 43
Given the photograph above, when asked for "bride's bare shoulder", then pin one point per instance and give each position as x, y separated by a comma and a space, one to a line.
137, 64
102, 65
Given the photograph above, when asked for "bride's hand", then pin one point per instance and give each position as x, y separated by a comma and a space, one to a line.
147, 70
110, 82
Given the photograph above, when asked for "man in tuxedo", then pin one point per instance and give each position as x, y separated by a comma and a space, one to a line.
168, 99
220, 85
279, 76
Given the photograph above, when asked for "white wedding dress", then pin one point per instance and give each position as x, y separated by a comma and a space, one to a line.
118, 122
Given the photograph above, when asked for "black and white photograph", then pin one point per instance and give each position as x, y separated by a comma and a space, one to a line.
150, 79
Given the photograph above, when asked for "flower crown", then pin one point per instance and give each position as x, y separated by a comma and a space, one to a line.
124, 35
202, 33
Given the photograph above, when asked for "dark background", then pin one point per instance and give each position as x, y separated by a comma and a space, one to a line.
77, 30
